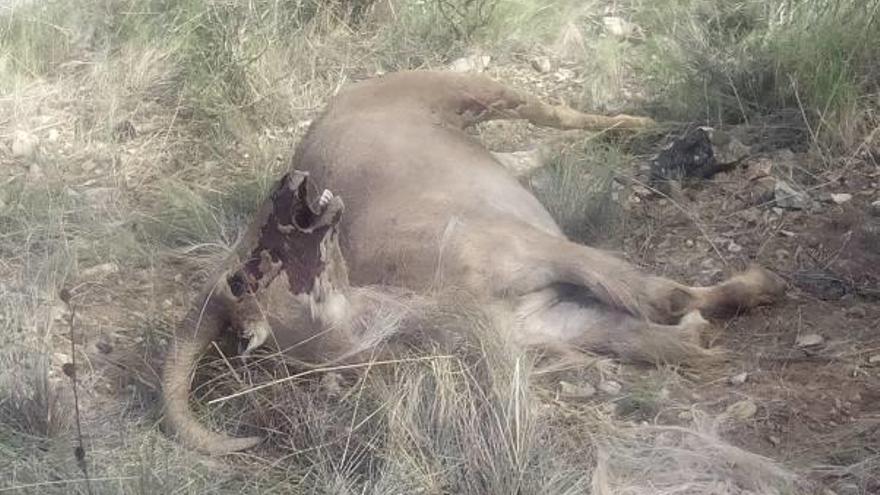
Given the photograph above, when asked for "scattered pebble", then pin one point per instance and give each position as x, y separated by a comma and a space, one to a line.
857, 312
734, 247
875, 359
35, 173
331, 382
841, 198
542, 64
619, 27
564, 75
103, 347
759, 169
24, 145
101, 270
810, 340
471, 63
610, 387
738, 379
788, 197
743, 409
774, 440
569, 390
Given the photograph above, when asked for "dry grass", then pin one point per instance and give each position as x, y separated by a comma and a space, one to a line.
154, 132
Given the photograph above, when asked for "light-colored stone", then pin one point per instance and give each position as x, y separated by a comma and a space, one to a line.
759, 168
471, 63
738, 379
24, 145
610, 387
810, 340
98, 271
542, 64
563, 75
875, 359
790, 198
619, 27
35, 173
743, 409
840, 198
568, 390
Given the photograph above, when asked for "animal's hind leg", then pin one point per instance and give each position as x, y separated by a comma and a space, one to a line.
592, 326
543, 260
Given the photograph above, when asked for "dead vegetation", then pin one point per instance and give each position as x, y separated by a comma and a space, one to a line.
137, 137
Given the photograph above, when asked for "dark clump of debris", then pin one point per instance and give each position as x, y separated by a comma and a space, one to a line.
698, 153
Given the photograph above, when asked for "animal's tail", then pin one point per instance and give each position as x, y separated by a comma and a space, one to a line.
201, 325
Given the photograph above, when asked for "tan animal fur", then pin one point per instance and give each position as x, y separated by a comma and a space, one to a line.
428, 208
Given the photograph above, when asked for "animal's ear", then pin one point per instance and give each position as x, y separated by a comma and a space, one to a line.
293, 193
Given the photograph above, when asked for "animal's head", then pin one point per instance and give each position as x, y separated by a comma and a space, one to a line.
294, 244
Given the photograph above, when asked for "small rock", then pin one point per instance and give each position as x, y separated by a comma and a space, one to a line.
743, 409
875, 359
727, 149
760, 168
35, 173
618, 27
520, 162
124, 131
53, 136
734, 247
790, 198
59, 359
88, 165
738, 379
24, 145
571, 391
101, 270
809, 340
610, 387
841, 198
857, 312
774, 440
762, 190
331, 382
542, 64
471, 63
875, 208
564, 75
